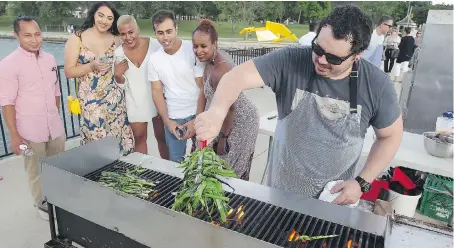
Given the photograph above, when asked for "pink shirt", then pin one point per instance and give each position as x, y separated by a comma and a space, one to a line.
30, 84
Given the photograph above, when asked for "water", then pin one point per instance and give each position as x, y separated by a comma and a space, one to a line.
7, 46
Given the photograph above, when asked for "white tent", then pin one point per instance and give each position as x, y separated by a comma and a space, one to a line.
406, 22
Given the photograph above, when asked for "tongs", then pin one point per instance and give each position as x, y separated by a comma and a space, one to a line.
202, 145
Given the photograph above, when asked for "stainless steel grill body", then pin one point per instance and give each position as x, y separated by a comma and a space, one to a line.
156, 226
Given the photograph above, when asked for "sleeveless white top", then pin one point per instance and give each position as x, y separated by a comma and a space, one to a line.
139, 101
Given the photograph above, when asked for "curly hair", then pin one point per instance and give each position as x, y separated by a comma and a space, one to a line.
207, 26
349, 23
90, 21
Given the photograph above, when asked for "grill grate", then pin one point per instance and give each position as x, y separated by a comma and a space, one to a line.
260, 220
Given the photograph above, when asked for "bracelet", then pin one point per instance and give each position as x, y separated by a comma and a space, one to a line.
223, 136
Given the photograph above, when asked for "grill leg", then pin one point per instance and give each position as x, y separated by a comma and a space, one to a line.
270, 150
50, 209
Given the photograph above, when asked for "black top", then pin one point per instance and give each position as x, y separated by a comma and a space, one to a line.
406, 49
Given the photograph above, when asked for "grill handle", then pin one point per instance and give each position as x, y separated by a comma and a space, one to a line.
203, 144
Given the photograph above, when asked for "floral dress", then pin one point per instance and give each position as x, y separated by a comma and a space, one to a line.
243, 134
103, 105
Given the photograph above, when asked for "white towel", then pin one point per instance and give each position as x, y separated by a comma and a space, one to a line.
328, 197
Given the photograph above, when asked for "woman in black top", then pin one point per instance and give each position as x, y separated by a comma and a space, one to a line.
406, 50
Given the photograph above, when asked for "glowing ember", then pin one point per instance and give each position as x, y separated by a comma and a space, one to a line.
239, 209
292, 234
230, 212
297, 237
240, 216
350, 244
215, 223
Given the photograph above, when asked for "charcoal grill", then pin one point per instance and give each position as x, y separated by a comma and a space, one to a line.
84, 212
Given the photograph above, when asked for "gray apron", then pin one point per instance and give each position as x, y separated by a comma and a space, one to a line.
318, 142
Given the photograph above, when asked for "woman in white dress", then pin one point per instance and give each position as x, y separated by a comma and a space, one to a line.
130, 71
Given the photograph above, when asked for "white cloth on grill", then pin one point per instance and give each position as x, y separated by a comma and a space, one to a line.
328, 197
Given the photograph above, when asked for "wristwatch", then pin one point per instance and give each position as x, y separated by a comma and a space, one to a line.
365, 186
223, 136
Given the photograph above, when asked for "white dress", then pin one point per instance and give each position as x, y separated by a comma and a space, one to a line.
139, 101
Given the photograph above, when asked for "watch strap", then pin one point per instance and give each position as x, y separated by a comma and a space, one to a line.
365, 186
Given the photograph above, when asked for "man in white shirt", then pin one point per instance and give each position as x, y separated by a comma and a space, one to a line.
306, 40
374, 52
175, 72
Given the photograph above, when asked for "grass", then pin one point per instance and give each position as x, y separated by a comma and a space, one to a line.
185, 28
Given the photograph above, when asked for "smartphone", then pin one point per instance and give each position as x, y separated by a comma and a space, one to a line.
181, 132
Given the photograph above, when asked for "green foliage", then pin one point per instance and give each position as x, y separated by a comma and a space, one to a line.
398, 10
22, 8
55, 12
314, 11
230, 16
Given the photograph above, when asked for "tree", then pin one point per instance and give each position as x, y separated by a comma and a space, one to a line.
229, 11
315, 11
274, 10
260, 11
22, 8
208, 9
377, 9
3, 8
55, 12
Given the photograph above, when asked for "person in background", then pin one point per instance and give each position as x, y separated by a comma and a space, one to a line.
406, 50
391, 50
306, 39
236, 140
374, 53
418, 39
418, 44
30, 100
327, 97
89, 55
175, 72
130, 73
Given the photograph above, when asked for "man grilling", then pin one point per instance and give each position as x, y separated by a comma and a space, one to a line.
327, 97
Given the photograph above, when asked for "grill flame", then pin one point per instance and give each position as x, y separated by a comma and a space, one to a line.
350, 244
240, 216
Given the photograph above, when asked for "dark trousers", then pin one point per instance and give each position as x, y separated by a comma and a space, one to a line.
389, 61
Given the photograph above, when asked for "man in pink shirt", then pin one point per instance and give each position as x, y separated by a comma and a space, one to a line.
30, 100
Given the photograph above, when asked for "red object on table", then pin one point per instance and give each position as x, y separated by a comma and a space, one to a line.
203, 144
404, 180
374, 192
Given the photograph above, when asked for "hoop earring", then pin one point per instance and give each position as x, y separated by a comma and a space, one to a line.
214, 56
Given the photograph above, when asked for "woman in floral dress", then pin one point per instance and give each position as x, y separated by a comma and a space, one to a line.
89, 55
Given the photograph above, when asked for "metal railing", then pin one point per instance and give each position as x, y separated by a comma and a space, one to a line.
241, 56
67, 88
70, 121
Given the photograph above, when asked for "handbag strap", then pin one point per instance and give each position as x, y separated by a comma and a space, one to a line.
77, 80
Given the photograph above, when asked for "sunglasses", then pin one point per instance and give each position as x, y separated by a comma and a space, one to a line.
388, 25
330, 58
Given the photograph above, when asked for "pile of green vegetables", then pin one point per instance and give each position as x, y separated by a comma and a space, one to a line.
128, 181
201, 189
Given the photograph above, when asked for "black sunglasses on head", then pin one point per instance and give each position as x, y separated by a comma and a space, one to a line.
331, 58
